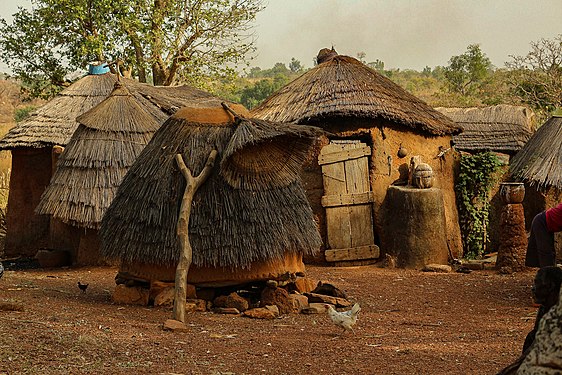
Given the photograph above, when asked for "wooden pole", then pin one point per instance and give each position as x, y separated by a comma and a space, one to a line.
186, 253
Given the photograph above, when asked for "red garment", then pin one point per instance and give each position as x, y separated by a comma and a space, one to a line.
554, 218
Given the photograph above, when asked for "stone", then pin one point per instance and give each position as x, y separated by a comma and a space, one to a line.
274, 309
259, 313
320, 298
443, 268
130, 295
156, 287
196, 305
174, 325
232, 300
314, 308
298, 301
304, 285
278, 297
165, 298
226, 310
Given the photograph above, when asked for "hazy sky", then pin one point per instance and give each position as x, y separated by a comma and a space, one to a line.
402, 33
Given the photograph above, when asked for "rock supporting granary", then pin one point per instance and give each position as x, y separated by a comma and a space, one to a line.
250, 220
373, 126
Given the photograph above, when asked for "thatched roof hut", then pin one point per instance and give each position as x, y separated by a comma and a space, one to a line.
341, 86
369, 119
501, 128
539, 163
251, 214
107, 142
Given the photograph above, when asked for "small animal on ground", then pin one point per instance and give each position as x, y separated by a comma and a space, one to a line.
345, 319
328, 290
82, 287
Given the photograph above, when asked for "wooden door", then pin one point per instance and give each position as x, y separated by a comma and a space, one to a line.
348, 201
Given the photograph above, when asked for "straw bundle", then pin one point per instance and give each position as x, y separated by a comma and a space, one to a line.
539, 162
501, 128
344, 87
230, 226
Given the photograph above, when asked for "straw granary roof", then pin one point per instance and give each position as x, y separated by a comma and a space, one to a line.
341, 86
539, 162
501, 128
101, 150
252, 208
53, 123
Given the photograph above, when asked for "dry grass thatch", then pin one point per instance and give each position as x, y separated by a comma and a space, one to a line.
230, 225
55, 122
539, 162
341, 86
500, 128
108, 140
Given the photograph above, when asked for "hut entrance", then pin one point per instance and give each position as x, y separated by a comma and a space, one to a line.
348, 201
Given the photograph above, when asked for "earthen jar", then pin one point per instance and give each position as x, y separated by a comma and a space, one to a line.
423, 176
512, 192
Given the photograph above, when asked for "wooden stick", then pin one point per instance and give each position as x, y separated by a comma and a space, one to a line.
186, 254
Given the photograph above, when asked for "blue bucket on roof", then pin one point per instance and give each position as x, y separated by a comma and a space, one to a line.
99, 68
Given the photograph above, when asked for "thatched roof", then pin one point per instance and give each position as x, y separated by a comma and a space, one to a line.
53, 123
235, 220
501, 128
341, 86
108, 140
539, 162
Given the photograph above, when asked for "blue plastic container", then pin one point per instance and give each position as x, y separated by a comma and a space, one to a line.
98, 69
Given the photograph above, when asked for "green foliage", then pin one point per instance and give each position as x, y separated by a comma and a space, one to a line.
466, 73
159, 41
23, 113
477, 176
253, 95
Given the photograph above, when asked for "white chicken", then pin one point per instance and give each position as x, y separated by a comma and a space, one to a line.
344, 319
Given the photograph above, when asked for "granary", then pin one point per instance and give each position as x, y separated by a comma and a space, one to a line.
89, 170
539, 166
500, 128
250, 221
37, 142
375, 128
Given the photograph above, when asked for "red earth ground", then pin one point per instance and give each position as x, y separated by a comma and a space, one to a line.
411, 322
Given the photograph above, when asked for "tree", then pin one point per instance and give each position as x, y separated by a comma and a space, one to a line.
465, 73
163, 41
253, 95
536, 78
295, 66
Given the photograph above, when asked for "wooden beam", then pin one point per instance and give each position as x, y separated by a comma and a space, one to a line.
355, 253
334, 157
337, 200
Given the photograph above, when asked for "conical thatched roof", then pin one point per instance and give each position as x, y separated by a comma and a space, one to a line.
55, 122
341, 86
235, 220
539, 162
501, 128
108, 140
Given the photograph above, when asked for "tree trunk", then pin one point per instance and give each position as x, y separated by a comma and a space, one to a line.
186, 253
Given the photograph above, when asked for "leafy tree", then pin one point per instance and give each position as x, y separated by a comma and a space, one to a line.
536, 78
377, 65
163, 41
465, 73
295, 66
253, 95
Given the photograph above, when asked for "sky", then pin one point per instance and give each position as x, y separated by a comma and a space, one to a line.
404, 34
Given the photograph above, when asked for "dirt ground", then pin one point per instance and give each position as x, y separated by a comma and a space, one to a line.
411, 323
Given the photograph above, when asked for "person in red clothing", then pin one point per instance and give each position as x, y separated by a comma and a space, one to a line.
540, 249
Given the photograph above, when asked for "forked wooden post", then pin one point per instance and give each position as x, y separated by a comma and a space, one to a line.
186, 254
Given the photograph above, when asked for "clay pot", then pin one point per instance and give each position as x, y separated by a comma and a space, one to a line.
512, 192
423, 176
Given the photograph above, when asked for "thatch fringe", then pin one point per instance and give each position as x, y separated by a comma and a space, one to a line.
106, 143
344, 87
229, 227
539, 162
501, 128
248, 163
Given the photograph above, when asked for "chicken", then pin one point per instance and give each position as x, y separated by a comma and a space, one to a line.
344, 319
82, 287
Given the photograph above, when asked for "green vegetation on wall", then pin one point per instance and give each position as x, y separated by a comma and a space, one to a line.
476, 178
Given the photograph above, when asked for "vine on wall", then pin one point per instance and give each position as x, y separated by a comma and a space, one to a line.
476, 179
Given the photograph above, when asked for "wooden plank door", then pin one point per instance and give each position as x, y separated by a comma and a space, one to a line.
348, 201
